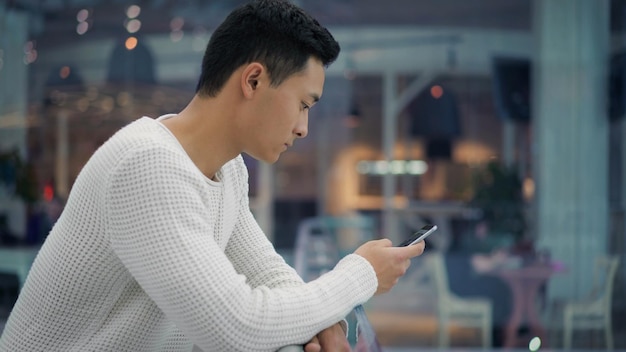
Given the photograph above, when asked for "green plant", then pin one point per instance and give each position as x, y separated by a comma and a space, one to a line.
18, 176
498, 193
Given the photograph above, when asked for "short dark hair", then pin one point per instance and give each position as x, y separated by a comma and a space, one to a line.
276, 33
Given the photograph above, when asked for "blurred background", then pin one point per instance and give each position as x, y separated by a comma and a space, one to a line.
502, 122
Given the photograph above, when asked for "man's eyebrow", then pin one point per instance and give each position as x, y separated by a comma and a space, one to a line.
315, 97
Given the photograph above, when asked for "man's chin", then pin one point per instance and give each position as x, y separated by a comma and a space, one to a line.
272, 160
269, 159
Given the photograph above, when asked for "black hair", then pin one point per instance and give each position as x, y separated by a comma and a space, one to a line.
275, 33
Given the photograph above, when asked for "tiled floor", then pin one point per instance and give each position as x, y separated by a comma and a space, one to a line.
406, 330
422, 349
400, 332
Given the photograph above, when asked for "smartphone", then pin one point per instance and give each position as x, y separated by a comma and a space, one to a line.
420, 235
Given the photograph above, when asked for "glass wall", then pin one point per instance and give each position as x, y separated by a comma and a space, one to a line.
502, 122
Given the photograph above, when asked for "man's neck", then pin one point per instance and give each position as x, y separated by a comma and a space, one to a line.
206, 134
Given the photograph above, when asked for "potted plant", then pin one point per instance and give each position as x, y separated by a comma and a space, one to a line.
19, 180
498, 194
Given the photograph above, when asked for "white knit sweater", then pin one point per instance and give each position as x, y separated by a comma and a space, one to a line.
151, 255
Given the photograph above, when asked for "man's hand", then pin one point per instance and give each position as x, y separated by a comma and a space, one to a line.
332, 339
390, 263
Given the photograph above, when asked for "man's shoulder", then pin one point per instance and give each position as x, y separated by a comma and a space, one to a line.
141, 140
142, 128
141, 134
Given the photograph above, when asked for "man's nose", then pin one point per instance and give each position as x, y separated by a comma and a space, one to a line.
302, 129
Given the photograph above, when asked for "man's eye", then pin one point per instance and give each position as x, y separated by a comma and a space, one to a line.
305, 106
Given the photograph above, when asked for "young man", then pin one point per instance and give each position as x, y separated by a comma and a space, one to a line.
156, 249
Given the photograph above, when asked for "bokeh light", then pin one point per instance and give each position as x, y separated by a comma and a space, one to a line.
82, 28
133, 11
131, 43
176, 36
534, 344
177, 23
30, 52
133, 26
82, 15
436, 91
64, 72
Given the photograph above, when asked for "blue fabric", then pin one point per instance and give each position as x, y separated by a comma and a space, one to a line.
366, 336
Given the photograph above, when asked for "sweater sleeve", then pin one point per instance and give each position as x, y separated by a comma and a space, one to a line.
254, 256
160, 229
249, 249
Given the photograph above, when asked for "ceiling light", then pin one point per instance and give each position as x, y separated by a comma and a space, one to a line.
133, 11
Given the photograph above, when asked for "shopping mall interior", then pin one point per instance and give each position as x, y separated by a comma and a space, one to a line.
502, 122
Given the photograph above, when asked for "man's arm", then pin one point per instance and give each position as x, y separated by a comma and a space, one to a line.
254, 256
162, 230
249, 249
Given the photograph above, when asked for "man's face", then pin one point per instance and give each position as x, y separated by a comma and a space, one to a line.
281, 113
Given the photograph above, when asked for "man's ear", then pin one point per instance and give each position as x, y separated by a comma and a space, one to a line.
250, 78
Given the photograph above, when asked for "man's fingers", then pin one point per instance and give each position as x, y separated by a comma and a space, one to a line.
384, 242
313, 345
413, 250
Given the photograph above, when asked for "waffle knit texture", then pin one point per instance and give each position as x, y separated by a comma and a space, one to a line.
151, 255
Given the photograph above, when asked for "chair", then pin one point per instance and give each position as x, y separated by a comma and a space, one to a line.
17, 260
468, 312
322, 241
593, 312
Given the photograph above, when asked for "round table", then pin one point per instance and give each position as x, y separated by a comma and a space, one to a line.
525, 283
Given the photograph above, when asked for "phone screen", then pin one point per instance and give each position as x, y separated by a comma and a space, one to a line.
420, 235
